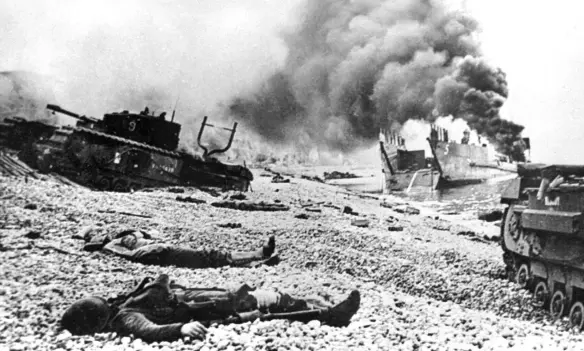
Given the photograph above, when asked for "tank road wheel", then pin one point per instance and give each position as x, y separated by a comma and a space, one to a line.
523, 276
577, 316
558, 304
103, 183
85, 176
134, 187
540, 295
45, 163
120, 186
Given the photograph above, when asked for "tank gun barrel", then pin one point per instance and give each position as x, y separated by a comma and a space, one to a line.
56, 108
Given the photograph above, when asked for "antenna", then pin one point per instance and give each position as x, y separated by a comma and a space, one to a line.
174, 109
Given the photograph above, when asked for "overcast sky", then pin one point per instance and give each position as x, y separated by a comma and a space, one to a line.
540, 45
207, 50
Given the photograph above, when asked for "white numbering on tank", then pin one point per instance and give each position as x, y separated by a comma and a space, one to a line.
132, 126
552, 202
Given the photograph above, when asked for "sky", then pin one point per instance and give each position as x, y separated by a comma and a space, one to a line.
205, 51
97, 51
540, 45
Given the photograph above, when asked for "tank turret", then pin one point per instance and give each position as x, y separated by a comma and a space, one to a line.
152, 130
141, 127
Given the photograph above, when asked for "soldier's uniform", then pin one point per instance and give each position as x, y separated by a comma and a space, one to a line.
136, 246
156, 310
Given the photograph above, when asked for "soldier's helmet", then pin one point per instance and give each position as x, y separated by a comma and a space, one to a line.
86, 316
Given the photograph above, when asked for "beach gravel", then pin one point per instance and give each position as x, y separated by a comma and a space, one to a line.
424, 286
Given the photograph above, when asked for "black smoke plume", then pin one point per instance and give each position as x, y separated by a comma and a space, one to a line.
354, 66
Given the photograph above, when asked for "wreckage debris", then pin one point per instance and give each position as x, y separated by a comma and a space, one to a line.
395, 228
176, 190
12, 166
405, 209
312, 178
236, 196
33, 234
310, 203
360, 222
301, 216
230, 225
279, 179
441, 226
339, 175
391, 219
125, 213
349, 210
491, 216
211, 191
190, 199
251, 206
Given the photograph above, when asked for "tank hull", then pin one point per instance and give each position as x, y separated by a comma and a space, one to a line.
108, 162
113, 163
542, 238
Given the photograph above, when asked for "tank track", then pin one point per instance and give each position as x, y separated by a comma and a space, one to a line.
508, 257
558, 296
127, 141
91, 175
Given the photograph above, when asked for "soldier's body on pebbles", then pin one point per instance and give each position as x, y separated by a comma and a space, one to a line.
138, 246
159, 310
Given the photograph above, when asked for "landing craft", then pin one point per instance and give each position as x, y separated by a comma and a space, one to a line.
542, 237
451, 164
121, 152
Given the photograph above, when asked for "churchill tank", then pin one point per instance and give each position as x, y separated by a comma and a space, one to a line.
20, 134
542, 236
127, 151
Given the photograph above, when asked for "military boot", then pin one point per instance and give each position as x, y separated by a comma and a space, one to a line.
340, 314
245, 258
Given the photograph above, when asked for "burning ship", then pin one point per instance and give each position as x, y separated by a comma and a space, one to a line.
450, 164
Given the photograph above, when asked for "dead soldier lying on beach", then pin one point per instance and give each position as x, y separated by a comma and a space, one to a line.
136, 246
158, 310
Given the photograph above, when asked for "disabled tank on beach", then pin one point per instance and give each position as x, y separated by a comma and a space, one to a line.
128, 151
18, 133
542, 237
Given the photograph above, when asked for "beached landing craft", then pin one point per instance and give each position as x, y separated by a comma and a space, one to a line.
121, 152
542, 237
451, 164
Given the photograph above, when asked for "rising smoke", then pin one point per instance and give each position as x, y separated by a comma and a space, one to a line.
112, 55
341, 71
354, 66
24, 94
